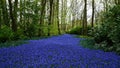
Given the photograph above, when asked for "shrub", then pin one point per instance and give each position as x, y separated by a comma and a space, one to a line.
19, 35
107, 36
31, 30
6, 34
78, 30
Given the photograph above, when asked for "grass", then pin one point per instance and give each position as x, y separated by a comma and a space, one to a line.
87, 42
19, 42
12, 43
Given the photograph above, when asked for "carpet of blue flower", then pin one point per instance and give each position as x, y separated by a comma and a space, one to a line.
62, 51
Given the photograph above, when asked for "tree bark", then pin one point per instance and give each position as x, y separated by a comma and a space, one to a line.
58, 24
50, 17
5, 12
93, 11
0, 15
12, 16
118, 2
42, 15
85, 18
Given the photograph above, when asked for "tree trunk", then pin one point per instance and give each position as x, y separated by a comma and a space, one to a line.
118, 2
93, 9
85, 18
50, 17
42, 15
58, 24
0, 15
0, 18
5, 13
21, 10
12, 16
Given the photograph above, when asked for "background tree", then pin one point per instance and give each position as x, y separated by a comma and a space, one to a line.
13, 14
85, 18
93, 12
58, 22
50, 16
42, 15
4, 12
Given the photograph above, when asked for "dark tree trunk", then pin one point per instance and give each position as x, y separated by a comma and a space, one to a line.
42, 15
85, 18
12, 16
58, 24
50, 17
5, 12
119, 2
93, 11
0, 15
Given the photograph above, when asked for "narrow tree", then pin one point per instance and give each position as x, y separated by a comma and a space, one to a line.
58, 24
4, 12
42, 15
50, 16
93, 12
85, 18
13, 14
117, 2
0, 18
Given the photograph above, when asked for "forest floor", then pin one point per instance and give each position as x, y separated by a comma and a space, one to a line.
62, 51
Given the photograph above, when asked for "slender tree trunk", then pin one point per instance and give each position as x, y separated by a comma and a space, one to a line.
15, 13
62, 13
58, 24
85, 18
24, 17
12, 16
0, 15
93, 11
50, 17
82, 22
0, 18
21, 9
42, 15
5, 12
119, 2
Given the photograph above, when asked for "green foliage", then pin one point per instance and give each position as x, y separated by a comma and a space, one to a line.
88, 43
78, 30
31, 30
12, 43
19, 34
107, 35
6, 34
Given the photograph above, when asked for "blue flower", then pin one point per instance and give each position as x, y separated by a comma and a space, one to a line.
56, 52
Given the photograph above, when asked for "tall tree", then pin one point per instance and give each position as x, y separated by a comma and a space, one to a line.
58, 24
63, 14
117, 2
85, 18
42, 15
0, 15
4, 12
50, 16
93, 12
13, 14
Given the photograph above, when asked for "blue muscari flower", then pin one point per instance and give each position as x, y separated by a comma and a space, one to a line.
56, 52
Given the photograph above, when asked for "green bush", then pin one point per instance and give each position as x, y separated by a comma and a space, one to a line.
19, 35
107, 35
6, 34
78, 30
31, 30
